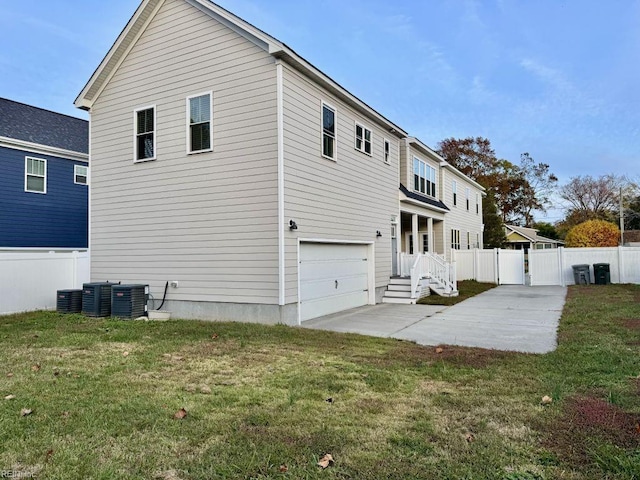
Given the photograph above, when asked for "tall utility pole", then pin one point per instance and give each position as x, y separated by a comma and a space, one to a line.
621, 220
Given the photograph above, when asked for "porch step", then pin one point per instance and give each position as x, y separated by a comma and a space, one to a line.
441, 291
398, 294
399, 288
406, 301
400, 281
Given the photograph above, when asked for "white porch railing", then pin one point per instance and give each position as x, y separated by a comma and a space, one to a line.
428, 265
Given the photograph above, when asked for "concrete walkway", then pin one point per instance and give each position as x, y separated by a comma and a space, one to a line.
508, 317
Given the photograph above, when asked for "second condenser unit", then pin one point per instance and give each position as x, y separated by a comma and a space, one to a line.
129, 301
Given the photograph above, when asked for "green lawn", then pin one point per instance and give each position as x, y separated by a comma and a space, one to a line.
467, 289
268, 402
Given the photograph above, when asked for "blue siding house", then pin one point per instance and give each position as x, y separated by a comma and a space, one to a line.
44, 197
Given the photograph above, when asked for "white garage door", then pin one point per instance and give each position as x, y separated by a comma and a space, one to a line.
333, 277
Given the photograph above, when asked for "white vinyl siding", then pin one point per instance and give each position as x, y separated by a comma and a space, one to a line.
199, 123
35, 175
213, 228
80, 174
145, 133
345, 201
363, 139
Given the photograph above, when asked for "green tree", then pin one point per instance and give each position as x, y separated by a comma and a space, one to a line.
493, 235
546, 229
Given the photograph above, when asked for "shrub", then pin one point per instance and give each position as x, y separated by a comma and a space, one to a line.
593, 233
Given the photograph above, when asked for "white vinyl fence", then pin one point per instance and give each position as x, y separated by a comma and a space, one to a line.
29, 280
555, 266
546, 267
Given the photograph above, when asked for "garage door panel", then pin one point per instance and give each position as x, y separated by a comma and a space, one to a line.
324, 287
333, 277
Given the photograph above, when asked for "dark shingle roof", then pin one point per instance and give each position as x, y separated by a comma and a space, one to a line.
423, 198
36, 125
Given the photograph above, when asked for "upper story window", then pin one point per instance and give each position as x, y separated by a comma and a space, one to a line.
477, 203
467, 194
145, 134
328, 132
454, 189
387, 150
35, 178
424, 177
200, 120
363, 139
80, 174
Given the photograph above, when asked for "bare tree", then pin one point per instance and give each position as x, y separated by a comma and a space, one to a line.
590, 198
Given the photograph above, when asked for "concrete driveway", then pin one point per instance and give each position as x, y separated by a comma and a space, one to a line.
508, 317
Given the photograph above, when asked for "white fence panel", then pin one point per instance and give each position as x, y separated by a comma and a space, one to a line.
511, 267
487, 270
630, 263
589, 256
545, 267
465, 264
29, 280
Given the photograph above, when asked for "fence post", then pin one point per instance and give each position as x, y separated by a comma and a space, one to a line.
476, 263
496, 267
561, 265
621, 264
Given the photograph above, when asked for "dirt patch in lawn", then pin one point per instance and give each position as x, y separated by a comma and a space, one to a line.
585, 419
632, 323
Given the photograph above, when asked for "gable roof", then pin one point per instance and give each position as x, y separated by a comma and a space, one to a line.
34, 125
530, 234
148, 9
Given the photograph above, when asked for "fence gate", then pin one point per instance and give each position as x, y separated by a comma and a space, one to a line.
511, 267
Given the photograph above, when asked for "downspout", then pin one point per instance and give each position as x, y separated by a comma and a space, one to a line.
281, 224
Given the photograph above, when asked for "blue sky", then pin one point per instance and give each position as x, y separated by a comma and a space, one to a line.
558, 79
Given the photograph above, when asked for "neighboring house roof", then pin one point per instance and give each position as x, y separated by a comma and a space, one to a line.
147, 10
423, 198
530, 234
34, 125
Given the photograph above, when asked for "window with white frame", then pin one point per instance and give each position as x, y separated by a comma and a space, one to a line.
425, 243
454, 189
455, 239
477, 204
468, 240
467, 194
328, 132
363, 139
80, 174
35, 173
477, 240
387, 150
145, 133
424, 177
200, 121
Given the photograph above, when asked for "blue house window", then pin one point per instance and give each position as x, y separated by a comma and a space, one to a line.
35, 180
80, 174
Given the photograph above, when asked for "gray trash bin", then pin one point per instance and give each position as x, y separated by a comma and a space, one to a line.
581, 275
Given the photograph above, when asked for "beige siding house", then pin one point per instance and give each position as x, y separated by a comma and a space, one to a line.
227, 165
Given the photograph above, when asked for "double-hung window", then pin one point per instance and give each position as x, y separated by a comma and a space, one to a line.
386, 145
454, 189
328, 132
200, 112
424, 177
363, 139
145, 133
80, 174
477, 203
467, 194
455, 239
35, 178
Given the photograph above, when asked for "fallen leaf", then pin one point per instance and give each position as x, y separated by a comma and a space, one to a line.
9, 397
76, 376
125, 354
469, 437
36, 367
25, 411
205, 389
180, 414
9, 374
214, 336
326, 461
546, 400
439, 350
283, 468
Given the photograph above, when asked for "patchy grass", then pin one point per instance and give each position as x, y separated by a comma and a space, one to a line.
269, 402
467, 289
